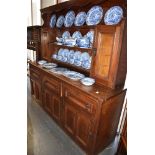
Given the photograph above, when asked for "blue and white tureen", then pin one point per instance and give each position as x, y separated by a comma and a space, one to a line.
69, 19
113, 15
94, 15
53, 21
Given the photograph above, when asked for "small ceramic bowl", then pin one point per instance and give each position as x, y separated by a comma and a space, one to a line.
88, 81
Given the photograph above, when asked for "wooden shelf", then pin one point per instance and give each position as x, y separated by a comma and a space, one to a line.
72, 67
74, 27
71, 47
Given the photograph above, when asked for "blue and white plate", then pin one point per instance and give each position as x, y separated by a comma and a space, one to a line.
77, 35
113, 15
66, 34
59, 70
69, 19
90, 36
53, 21
77, 55
60, 21
94, 15
73, 75
85, 56
80, 19
71, 54
61, 51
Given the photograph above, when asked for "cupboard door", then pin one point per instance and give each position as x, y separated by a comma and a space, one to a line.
36, 90
69, 118
83, 129
47, 101
108, 48
56, 103
52, 104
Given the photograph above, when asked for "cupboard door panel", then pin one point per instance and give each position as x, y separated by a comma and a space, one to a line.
104, 44
83, 130
108, 44
56, 103
69, 118
47, 101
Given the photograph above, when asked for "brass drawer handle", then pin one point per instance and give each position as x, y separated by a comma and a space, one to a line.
88, 106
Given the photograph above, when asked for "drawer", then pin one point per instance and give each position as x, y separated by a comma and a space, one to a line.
35, 73
52, 84
79, 99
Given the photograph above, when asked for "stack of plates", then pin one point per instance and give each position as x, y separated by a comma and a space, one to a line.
49, 65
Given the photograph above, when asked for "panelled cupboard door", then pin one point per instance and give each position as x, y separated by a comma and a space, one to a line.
69, 118
51, 103
84, 129
45, 52
106, 60
56, 103
47, 98
36, 90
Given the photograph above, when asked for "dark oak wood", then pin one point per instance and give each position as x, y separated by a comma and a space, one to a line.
88, 114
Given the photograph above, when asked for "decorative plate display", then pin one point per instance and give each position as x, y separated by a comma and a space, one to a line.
41, 62
113, 15
59, 70
77, 35
53, 21
94, 15
87, 81
73, 75
66, 34
69, 19
90, 36
49, 65
80, 19
60, 21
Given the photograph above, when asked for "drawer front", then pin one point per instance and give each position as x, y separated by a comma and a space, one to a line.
52, 85
35, 73
79, 99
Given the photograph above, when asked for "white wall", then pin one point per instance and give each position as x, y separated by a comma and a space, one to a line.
46, 3
29, 18
33, 12
36, 15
